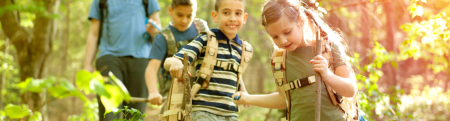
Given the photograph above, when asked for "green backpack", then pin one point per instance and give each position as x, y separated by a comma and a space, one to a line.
172, 49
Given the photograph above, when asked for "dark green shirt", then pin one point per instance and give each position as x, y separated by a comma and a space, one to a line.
303, 100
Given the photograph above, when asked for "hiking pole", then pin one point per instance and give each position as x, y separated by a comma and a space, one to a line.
318, 79
141, 99
187, 104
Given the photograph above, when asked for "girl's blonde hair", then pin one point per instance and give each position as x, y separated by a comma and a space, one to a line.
275, 9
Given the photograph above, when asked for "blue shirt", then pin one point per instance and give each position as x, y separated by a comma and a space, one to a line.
216, 98
124, 27
159, 49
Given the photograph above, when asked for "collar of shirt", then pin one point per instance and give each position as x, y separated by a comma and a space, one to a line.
221, 36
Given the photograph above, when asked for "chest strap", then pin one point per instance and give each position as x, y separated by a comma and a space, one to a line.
298, 83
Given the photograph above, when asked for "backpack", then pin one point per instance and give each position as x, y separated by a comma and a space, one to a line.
347, 105
104, 13
172, 49
173, 110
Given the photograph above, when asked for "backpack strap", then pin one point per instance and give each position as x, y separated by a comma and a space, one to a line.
103, 13
279, 72
204, 75
246, 57
201, 25
347, 105
145, 3
170, 39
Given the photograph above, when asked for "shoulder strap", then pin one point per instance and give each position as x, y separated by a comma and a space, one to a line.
103, 13
145, 3
246, 57
170, 39
279, 72
201, 25
204, 75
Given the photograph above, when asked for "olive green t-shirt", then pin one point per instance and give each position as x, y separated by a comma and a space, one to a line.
303, 100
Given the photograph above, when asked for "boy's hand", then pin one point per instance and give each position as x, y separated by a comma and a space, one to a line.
320, 65
176, 68
155, 98
240, 98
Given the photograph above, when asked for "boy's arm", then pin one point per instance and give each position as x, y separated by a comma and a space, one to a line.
151, 81
91, 45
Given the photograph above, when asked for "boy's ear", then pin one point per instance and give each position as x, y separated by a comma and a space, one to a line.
170, 10
245, 17
214, 16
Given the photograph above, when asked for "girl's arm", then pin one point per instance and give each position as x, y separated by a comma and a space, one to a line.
274, 100
341, 81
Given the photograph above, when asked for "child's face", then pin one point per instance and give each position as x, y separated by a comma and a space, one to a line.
230, 17
182, 16
285, 34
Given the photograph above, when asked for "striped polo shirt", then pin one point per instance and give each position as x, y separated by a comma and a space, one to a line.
216, 98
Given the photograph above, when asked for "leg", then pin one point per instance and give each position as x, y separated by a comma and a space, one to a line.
105, 64
135, 81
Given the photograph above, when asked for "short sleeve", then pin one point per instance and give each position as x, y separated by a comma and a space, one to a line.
153, 6
339, 55
159, 48
193, 49
94, 11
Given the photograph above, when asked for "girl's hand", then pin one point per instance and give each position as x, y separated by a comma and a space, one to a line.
176, 69
320, 65
242, 98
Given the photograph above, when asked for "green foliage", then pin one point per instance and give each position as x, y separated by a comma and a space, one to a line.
428, 40
111, 94
135, 114
373, 102
17, 112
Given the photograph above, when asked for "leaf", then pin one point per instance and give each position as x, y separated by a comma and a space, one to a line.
97, 76
59, 92
83, 78
16, 112
119, 83
67, 85
31, 85
37, 116
115, 100
99, 88
394, 64
25, 83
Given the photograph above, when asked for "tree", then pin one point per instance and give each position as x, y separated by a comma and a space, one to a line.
34, 45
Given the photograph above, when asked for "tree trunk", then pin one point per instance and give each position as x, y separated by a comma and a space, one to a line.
447, 56
32, 50
390, 43
365, 40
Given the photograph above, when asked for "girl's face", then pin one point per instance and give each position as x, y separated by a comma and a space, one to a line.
285, 34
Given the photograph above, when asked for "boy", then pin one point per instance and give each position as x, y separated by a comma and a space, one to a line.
214, 101
183, 29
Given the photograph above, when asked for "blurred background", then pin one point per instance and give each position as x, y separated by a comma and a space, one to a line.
400, 50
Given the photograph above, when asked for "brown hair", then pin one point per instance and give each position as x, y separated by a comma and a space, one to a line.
176, 3
275, 9
217, 5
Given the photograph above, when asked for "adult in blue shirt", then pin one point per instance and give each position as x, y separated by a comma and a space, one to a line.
123, 49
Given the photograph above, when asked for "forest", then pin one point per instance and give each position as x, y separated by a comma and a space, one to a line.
399, 49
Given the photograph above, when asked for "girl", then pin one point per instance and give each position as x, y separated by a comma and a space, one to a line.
293, 28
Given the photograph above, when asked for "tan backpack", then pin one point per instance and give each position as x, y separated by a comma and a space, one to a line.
173, 110
347, 105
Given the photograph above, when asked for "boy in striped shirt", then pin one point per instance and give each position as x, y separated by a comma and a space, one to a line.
214, 103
